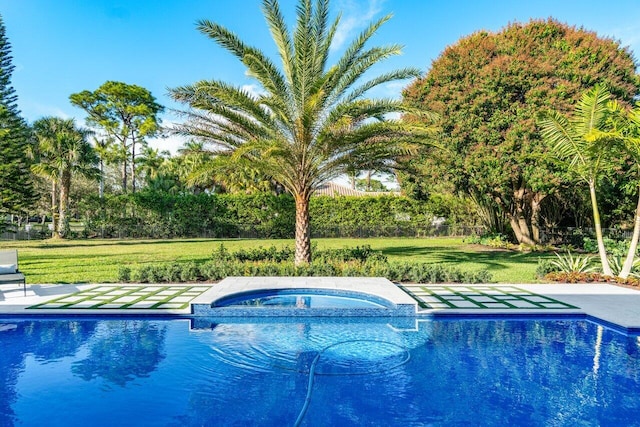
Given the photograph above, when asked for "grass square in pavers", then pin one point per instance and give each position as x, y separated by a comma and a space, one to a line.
479, 297
122, 297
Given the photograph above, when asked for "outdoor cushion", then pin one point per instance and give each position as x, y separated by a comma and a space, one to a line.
8, 268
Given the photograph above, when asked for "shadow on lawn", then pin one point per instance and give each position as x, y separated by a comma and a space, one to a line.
494, 259
95, 243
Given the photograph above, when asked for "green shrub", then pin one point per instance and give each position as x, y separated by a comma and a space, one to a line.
189, 272
545, 266
494, 240
347, 262
616, 248
124, 274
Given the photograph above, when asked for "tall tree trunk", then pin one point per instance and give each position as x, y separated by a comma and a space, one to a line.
596, 223
124, 176
133, 164
65, 185
101, 188
54, 209
521, 233
633, 247
303, 230
536, 200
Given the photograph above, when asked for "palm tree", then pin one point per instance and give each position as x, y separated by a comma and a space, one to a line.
584, 141
151, 162
310, 121
62, 151
627, 124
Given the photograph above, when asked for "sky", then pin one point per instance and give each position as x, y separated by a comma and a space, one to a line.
60, 47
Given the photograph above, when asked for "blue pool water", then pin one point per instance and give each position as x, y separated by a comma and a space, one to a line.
306, 298
317, 372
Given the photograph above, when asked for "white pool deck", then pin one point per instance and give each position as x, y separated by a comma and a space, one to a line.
616, 305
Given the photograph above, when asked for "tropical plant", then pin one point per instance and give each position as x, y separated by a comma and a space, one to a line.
62, 150
127, 113
310, 122
627, 124
573, 264
583, 142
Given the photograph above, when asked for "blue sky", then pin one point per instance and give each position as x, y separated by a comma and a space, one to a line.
64, 46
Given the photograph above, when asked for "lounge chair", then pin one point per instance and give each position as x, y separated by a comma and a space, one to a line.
9, 272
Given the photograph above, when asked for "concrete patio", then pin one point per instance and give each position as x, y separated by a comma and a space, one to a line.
612, 304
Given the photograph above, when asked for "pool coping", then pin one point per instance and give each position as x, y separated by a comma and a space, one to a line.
606, 303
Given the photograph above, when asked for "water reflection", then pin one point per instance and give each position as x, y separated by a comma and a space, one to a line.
122, 351
351, 372
46, 341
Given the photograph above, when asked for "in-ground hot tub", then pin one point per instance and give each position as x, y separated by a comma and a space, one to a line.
304, 296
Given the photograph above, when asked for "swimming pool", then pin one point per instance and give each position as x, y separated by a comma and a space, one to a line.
317, 372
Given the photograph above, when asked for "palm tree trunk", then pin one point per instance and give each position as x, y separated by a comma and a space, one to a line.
303, 230
596, 223
65, 185
633, 247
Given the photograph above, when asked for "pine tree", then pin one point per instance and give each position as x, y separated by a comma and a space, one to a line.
16, 187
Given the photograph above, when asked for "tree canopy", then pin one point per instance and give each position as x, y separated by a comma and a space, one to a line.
127, 113
489, 87
16, 187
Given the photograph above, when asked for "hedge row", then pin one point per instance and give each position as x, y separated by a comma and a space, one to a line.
163, 215
219, 269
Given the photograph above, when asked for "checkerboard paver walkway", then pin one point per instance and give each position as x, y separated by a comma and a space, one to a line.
480, 297
126, 296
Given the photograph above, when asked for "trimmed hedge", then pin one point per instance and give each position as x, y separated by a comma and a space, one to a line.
153, 214
358, 261
213, 271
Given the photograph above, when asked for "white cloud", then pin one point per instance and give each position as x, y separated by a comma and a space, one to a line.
35, 111
628, 36
171, 143
253, 90
356, 15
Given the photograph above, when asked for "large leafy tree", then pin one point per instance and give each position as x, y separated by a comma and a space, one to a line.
62, 150
488, 88
311, 121
127, 114
16, 187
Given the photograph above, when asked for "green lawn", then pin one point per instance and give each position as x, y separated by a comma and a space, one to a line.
97, 261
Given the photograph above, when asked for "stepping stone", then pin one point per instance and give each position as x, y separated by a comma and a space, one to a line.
523, 304
142, 304
125, 299
496, 305
181, 299
465, 304
171, 305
